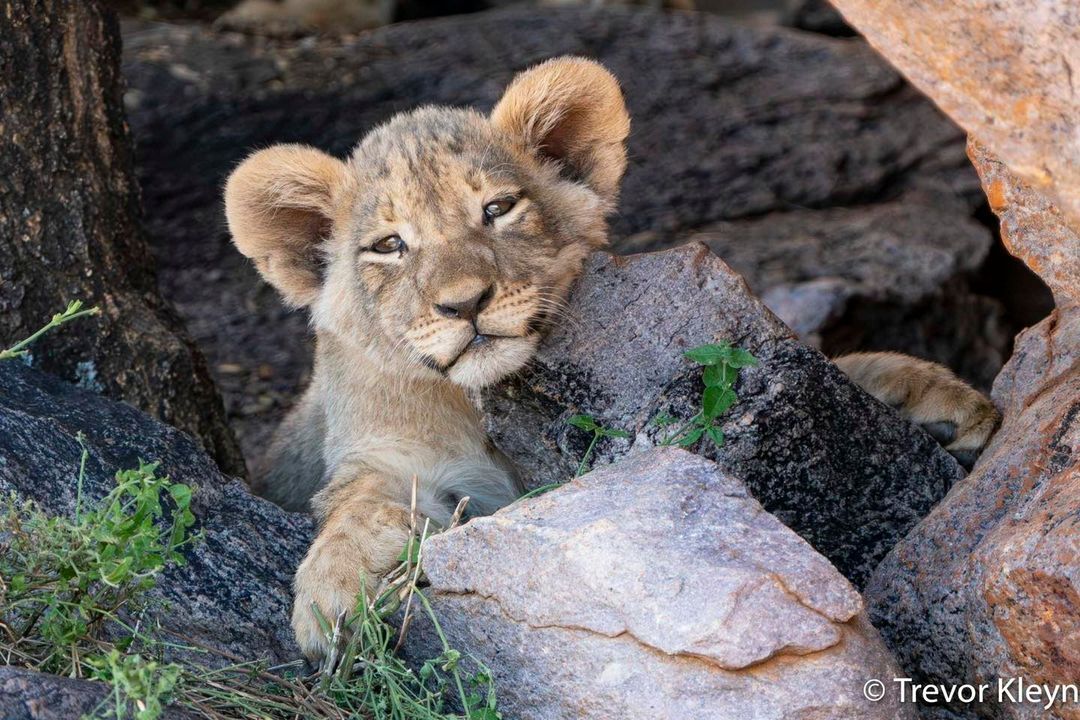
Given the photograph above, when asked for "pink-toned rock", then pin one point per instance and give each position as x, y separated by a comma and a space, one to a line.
1032, 227
656, 587
1008, 72
988, 585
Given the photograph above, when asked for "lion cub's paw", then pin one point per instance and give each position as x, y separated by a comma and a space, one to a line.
959, 417
328, 578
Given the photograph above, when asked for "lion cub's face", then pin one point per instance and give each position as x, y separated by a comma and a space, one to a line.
447, 243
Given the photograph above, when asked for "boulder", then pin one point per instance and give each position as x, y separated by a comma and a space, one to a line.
886, 276
730, 122
1002, 70
988, 585
844, 471
655, 587
1032, 227
234, 593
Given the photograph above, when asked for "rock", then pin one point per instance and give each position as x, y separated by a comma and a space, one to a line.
730, 122
234, 593
70, 226
886, 276
988, 585
29, 695
656, 587
816, 16
844, 471
1007, 78
1032, 227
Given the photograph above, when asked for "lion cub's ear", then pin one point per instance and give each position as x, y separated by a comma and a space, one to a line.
570, 109
280, 204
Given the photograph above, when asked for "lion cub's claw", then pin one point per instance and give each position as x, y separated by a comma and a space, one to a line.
960, 418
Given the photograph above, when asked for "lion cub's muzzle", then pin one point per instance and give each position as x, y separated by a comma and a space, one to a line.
475, 320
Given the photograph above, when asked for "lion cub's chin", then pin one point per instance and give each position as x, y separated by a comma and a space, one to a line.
487, 363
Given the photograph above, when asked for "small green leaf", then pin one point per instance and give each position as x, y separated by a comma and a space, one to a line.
664, 420
716, 401
411, 552
716, 435
714, 376
181, 494
614, 433
740, 358
691, 437
708, 354
585, 422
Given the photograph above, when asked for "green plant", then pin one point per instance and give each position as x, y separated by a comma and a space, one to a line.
70, 586
145, 686
721, 363
64, 580
362, 671
588, 424
74, 310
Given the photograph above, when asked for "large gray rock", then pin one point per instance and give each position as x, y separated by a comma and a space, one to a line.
844, 471
886, 276
729, 122
234, 593
656, 587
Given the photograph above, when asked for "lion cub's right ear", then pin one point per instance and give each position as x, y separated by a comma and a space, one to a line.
280, 206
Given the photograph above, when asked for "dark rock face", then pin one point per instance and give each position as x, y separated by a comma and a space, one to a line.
887, 276
70, 224
234, 593
730, 122
29, 695
842, 470
655, 587
816, 16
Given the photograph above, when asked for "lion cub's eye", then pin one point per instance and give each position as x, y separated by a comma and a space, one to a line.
389, 245
495, 208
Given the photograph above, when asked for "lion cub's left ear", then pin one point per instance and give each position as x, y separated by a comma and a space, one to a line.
570, 109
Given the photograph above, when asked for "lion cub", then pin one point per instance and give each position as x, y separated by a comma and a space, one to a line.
432, 261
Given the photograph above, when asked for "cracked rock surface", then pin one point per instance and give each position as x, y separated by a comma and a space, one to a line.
656, 587
844, 471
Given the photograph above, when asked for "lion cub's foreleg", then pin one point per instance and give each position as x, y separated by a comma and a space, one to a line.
365, 525
957, 415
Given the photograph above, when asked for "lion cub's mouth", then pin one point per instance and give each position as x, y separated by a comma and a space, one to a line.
480, 344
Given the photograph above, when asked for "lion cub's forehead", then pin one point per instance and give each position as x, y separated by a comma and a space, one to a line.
435, 147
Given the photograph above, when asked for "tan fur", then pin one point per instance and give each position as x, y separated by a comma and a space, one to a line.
396, 350
403, 336
926, 393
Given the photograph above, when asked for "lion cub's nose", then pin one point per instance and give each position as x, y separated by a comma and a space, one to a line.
468, 308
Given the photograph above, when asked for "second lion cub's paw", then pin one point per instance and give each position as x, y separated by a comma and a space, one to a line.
959, 417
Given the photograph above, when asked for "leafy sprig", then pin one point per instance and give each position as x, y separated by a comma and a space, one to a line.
73, 311
721, 365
